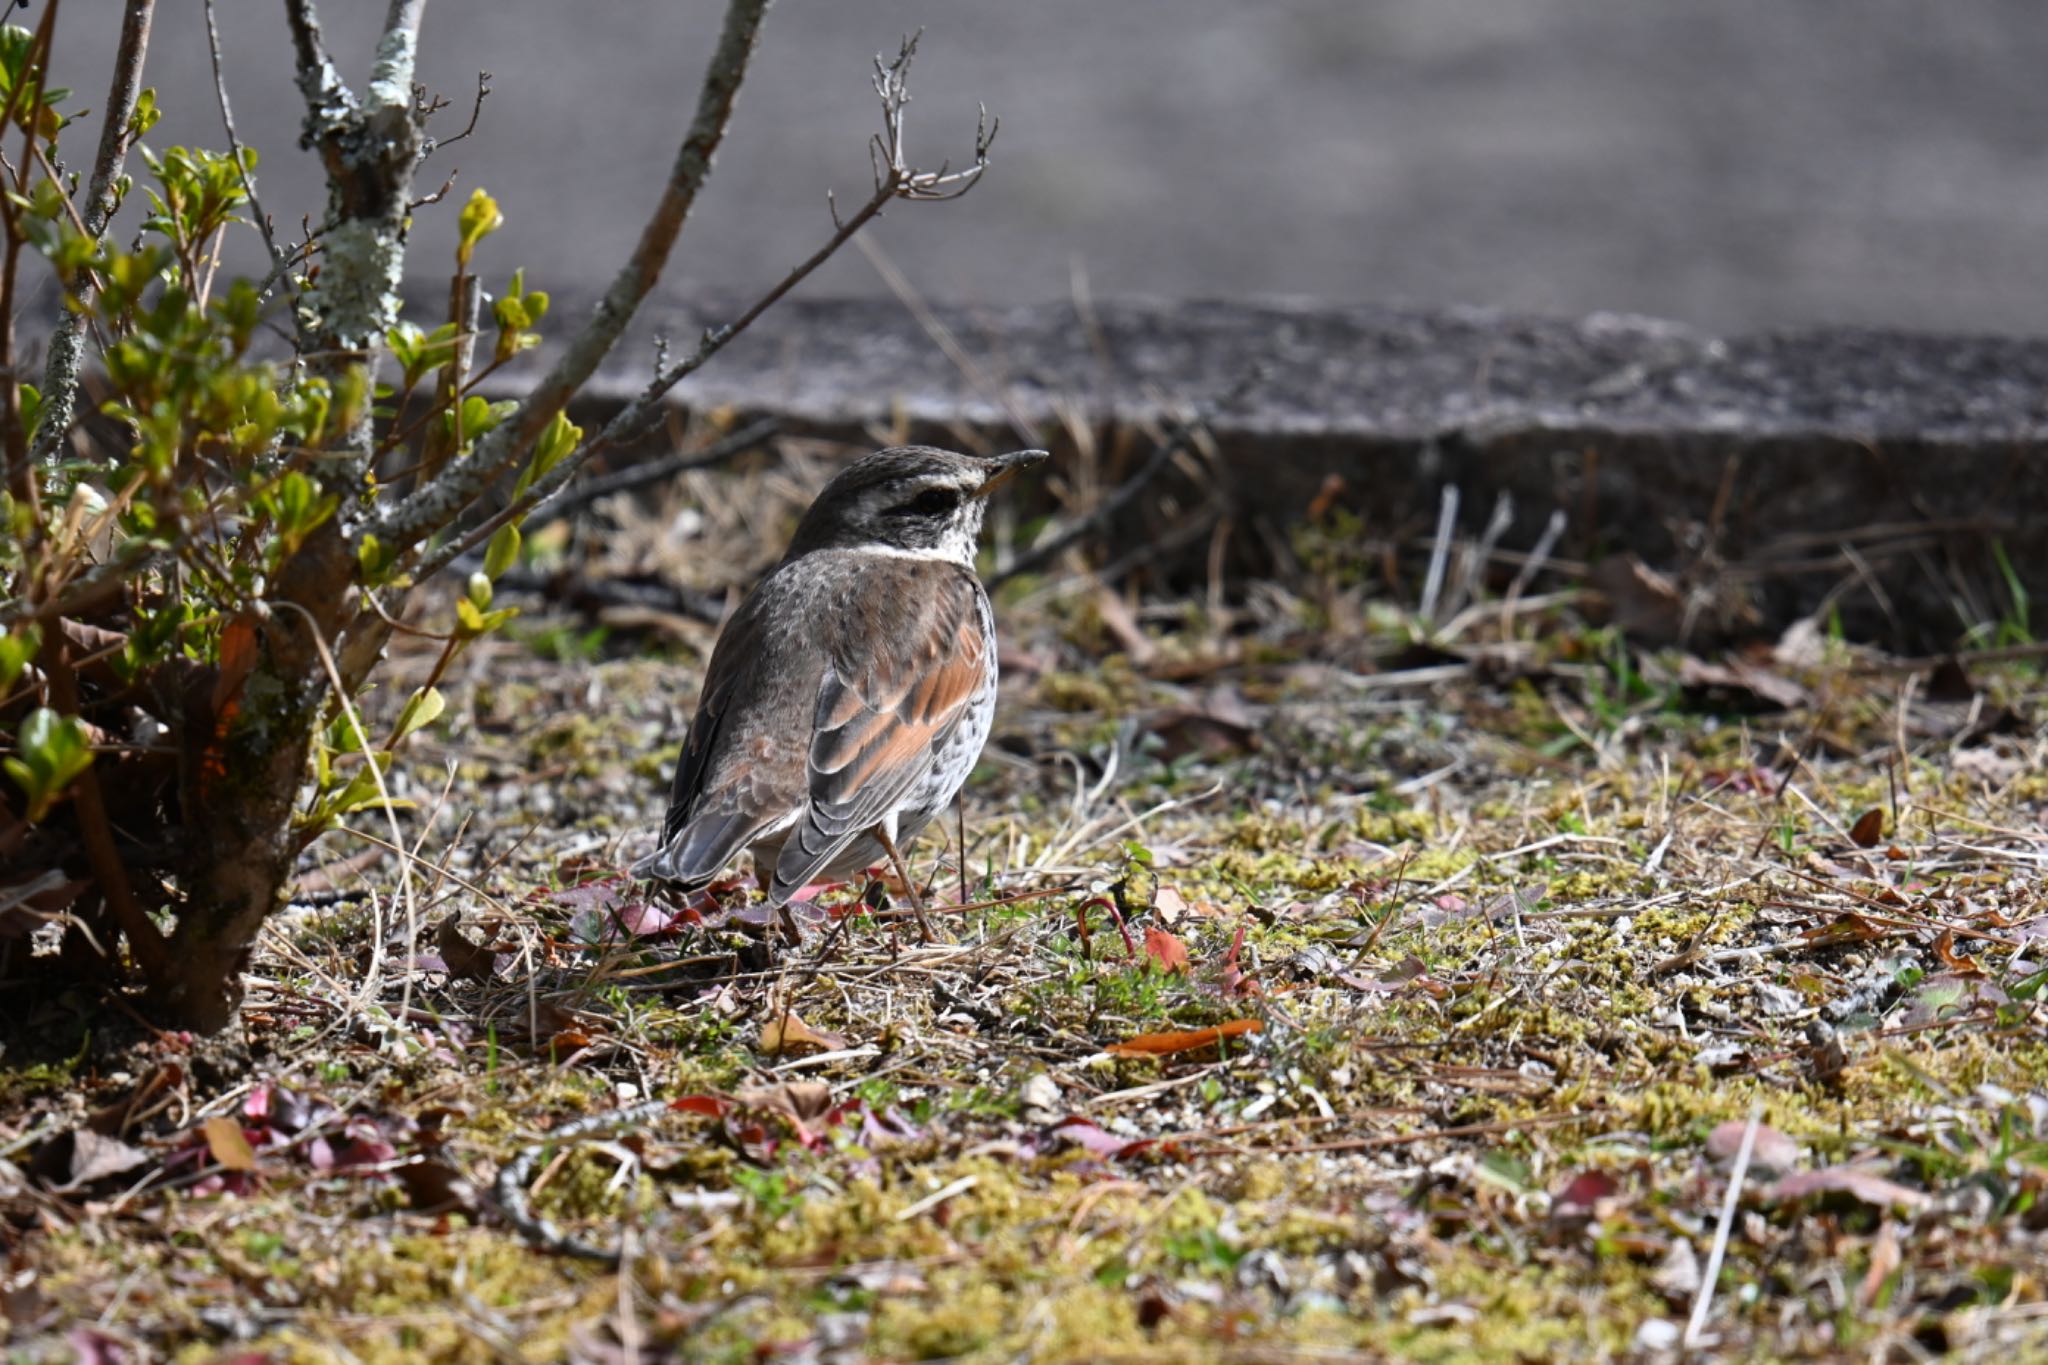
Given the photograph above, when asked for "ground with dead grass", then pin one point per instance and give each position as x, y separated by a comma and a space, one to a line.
1317, 979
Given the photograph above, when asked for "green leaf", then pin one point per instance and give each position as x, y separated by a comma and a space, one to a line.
16, 650
557, 442
503, 551
473, 620
146, 114
479, 219
374, 559
49, 752
423, 708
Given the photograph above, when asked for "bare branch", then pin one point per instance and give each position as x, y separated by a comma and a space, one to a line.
397, 52
67, 341
370, 150
406, 523
227, 123
328, 101
483, 92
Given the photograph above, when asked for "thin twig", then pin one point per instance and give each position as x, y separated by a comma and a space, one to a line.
67, 339
483, 92
227, 123
1705, 1298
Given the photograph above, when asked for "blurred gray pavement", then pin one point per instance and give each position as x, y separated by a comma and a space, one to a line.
1735, 164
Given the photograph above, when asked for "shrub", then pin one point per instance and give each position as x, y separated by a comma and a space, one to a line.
192, 603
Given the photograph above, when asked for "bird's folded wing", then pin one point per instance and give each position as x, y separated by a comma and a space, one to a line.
718, 805
882, 715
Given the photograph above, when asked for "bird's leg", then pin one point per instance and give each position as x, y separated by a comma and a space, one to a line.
960, 842
909, 887
790, 931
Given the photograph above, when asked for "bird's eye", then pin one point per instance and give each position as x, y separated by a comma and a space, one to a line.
933, 502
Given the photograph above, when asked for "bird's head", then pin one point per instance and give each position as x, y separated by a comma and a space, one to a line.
912, 500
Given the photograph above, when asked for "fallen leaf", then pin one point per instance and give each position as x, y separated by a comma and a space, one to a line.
1868, 829
94, 1158
431, 1185
1945, 949
1190, 1040
1743, 682
230, 1148
1093, 1137
1169, 905
465, 960
803, 1102
1850, 1180
1844, 928
1772, 1150
1884, 1259
1677, 1276
1585, 1190
1234, 982
791, 1036
1168, 953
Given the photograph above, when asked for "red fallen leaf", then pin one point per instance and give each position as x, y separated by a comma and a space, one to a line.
1868, 829
1095, 1139
1771, 1150
643, 919
1234, 982
1850, 1180
230, 1148
1190, 1040
1166, 951
712, 1106
1586, 1189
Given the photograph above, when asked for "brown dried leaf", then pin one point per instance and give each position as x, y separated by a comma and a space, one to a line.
1772, 1150
466, 960
792, 1037
805, 1102
1868, 829
1884, 1259
95, 1158
1850, 1180
229, 1147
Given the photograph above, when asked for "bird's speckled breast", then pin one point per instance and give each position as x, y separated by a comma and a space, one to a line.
961, 749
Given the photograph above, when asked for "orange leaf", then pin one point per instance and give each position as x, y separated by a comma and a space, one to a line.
1868, 829
1167, 1044
1945, 949
1168, 952
224, 1139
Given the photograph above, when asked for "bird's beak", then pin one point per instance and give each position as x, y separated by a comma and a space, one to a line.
1006, 465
